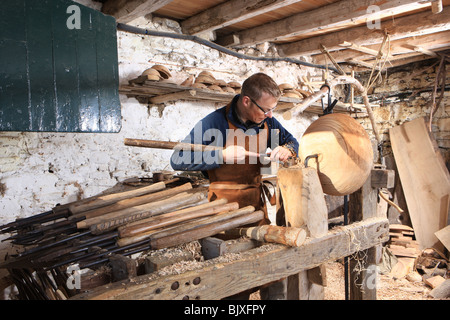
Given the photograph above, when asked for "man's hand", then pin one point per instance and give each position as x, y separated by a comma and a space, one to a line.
236, 154
280, 153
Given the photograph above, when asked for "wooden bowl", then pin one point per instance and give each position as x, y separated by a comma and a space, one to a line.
165, 73
345, 155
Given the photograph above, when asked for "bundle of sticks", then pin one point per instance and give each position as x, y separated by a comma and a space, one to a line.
89, 231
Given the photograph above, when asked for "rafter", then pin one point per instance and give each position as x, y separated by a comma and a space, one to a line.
434, 42
230, 12
345, 12
413, 25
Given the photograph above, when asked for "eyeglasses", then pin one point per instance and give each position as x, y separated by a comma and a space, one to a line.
265, 112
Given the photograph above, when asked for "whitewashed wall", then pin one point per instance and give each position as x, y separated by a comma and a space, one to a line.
39, 170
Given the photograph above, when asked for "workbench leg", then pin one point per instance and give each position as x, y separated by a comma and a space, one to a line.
305, 207
363, 264
300, 287
364, 274
275, 291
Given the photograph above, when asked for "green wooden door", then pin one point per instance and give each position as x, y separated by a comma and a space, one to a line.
58, 68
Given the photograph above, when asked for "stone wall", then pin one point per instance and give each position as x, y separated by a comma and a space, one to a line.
404, 94
40, 170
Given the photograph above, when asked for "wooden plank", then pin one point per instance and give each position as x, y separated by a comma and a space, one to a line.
399, 28
435, 281
228, 13
216, 280
125, 11
425, 180
444, 236
332, 15
442, 291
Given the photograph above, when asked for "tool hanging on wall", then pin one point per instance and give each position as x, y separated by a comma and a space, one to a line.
330, 105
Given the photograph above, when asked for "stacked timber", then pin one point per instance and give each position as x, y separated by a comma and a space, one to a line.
99, 231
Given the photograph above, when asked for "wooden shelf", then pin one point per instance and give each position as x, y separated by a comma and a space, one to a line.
158, 92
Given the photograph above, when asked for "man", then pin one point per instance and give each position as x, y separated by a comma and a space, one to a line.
244, 128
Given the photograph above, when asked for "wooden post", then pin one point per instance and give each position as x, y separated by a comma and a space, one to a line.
304, 203
363, 271
122, 267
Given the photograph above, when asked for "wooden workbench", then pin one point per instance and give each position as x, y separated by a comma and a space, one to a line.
213, 279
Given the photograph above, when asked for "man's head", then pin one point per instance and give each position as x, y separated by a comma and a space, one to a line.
258, 83
259, 97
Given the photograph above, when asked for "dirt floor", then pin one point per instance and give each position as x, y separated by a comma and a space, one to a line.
388, 288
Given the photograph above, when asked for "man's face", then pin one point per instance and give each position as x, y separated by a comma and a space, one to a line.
258, 110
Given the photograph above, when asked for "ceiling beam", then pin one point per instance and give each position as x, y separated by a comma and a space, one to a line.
128, 10
344, 12
230, 12
408, 26
435, 41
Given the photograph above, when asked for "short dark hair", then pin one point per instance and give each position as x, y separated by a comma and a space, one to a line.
258, 83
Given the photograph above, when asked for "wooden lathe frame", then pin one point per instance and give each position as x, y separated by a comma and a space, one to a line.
272, 262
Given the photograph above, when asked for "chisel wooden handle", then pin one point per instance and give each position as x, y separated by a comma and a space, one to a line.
206, 230
135, 201
172, 218
158, 207
108, 199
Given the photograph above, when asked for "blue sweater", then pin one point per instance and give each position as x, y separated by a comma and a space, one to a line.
212, 130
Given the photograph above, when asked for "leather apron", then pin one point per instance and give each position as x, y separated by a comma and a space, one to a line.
241, 182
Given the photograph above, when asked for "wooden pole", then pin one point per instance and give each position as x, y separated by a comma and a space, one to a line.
174, 217
122, 217
185, 226
206, 230
169, 145
108, 199
131, 202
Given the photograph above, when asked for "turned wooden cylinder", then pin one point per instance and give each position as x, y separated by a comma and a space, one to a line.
345, 155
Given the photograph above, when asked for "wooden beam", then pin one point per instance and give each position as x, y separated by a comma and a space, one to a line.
350, 45
397, 29
434, 41
230, 12
363, 64
422, 50
345, 12
125, 10
216, 280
